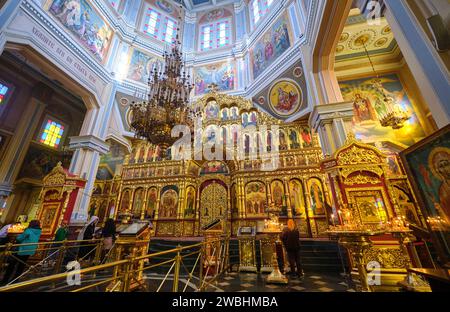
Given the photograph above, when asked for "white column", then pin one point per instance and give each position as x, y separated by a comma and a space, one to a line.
88, 148
332, 122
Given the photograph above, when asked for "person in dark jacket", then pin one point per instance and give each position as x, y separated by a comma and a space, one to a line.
18, 261
87, 233
108, 235
291, 241
60, 236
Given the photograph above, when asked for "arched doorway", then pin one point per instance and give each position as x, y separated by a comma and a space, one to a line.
213, 201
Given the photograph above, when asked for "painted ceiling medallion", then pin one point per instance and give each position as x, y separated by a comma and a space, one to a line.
381, 42
386, 30
129, 116
124, 102
361, 39
340, 48
285, 97
344, 37
298, 72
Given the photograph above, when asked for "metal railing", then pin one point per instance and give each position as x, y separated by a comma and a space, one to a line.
210, 260
49, 257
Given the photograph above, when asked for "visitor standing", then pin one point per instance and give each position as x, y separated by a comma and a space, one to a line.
60, 236
291, 241
109, 236
18, 260
87, 233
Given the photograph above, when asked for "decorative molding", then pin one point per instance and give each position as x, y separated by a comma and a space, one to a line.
89, 142
322, 114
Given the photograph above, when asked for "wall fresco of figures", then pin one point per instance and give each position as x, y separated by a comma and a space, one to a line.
215, 15
169, 202
152, 199
165, 6
255, 199
214, 167
85, 23
141, 66
297, 198
111, 163
222, 74
271, 46
189, 207
369, 105
138, 202
317, 196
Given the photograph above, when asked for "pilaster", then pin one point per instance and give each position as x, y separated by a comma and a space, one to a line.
332, 122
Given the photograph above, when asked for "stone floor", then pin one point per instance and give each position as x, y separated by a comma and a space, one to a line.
252, 282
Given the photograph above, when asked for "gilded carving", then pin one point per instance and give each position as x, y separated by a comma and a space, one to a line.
355, 156
361, 179
389, 258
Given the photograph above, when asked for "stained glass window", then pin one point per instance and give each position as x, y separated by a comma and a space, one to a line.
169, 35
259, 9
223, 34
3, 92
152, 23
52, 133
215, 35
159, 25
206, 34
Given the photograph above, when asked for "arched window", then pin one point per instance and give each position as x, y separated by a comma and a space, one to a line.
259, 9
159, 25
216, 34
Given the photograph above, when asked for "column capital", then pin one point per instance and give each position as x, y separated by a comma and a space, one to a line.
5, 189
239, 6
89, 142
322, 114
190, 17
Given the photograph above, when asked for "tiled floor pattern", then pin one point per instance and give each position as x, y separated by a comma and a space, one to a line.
252, 282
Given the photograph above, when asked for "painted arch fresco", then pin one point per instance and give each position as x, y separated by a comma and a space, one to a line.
85, 23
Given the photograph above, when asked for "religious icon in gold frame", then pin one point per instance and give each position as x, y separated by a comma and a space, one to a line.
428, 166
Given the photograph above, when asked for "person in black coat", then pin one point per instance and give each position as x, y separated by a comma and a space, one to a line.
108, 236
291, 241
87, 233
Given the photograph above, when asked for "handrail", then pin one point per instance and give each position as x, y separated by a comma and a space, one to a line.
51, 243
53, 278
128, 263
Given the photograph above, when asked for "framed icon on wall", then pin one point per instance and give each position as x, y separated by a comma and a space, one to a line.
428, 167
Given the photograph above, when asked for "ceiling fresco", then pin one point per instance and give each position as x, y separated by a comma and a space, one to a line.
377, 37
287, 95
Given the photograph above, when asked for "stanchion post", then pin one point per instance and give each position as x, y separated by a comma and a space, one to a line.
176, 274
127, 275
60, 259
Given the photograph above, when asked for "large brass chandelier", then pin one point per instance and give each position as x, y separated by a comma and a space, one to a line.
168, 100
394, 116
